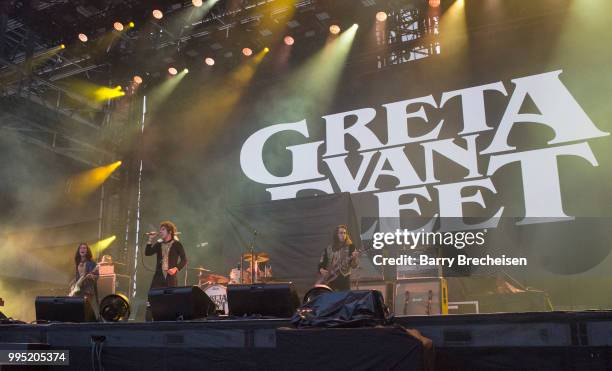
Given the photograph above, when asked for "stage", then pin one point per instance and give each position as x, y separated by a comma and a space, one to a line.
538, 341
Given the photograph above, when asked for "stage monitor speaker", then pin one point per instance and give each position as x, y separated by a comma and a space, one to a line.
421, 296
265, 299
179, 303
64, 309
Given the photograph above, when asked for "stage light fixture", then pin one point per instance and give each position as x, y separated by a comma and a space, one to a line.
83, 37
209, 61
266, 49
381, 16
247, 52
137, 79
186, 70
434, 3
132, 24
197, 3
172, 71
334, 29
115, 308
289, 40
62, 46
118, 26
157, 14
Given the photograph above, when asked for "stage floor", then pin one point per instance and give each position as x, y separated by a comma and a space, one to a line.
552, 341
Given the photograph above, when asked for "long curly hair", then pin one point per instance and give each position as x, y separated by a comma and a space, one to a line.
77, 256
337, 242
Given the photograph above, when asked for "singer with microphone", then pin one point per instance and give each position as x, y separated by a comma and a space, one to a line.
170, 255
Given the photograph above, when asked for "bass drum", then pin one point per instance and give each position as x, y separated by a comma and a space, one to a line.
218, 295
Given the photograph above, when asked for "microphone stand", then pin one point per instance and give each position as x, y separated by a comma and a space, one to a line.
251, 250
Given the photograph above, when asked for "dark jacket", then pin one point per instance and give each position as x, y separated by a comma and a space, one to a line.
89, 286
176, 258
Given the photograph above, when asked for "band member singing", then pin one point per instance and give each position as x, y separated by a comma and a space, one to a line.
170, 255
337, 261
86, 274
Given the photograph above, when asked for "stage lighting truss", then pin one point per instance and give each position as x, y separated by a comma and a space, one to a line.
401, 37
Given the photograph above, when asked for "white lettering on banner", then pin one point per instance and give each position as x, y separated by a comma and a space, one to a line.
539, 167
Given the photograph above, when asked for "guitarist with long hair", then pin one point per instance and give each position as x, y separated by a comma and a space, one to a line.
338, 260
86, 274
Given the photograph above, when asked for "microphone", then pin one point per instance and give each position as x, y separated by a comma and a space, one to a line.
151, 233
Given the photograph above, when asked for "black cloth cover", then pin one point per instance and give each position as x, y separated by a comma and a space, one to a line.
293, 232
343, 309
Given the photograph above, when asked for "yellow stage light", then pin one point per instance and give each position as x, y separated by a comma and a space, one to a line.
186, 70
266, 49
98, 247
131, 24
62, 46
83, 184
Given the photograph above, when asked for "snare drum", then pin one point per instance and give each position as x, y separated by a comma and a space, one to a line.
218, 294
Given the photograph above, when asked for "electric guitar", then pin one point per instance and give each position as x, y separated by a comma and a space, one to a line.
334, 272
76, 287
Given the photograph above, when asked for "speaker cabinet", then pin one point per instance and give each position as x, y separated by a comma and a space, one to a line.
106, 285
421, 296
64, 309
179, 303
266, 299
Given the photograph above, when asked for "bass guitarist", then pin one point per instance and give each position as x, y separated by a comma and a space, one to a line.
86, 275
338, 260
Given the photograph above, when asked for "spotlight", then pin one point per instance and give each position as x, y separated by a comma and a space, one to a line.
137, 79
209, 61
83, 37
334, 29
247, 52
186, 70
266, 49
173, 71
197, 3
115, 308
118, 26
157, 14
434, 3
289, 40
381, 16
62, 46
132, 24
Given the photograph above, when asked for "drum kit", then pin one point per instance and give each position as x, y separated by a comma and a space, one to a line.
215, 285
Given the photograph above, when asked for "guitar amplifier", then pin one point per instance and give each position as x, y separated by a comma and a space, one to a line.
106, 285
421, 296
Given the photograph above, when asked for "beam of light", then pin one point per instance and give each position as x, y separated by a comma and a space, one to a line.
314, 84
83, 184
103, 93
453, 30
98, 248
160, 93
223, 94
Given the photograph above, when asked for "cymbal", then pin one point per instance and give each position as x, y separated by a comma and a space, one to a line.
201, 269
261, 257
214, 278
